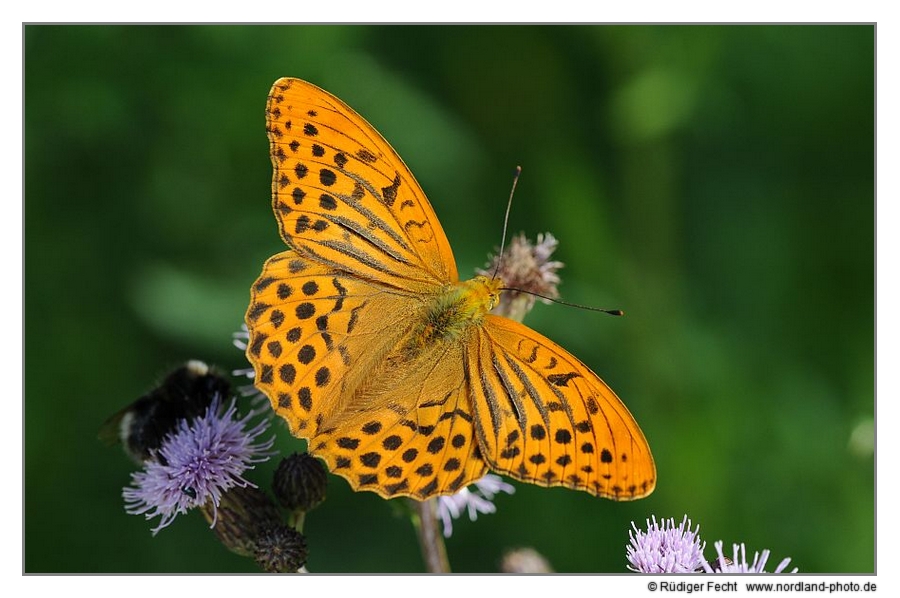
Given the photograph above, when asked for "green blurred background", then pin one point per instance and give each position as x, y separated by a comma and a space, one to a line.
715, 182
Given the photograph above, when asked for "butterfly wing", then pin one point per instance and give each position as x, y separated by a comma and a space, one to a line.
343, 196
410, 431
310, 328
335, 368
331, 322
328, 318
542, 416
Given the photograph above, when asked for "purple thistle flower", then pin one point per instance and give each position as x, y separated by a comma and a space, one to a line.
738, 562
666, 548
474, 499
196, 463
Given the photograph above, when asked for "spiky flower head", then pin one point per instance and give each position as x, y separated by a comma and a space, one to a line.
738, 561
197, 463
281, 549
241, 516
300, 482
665, 548
474, 499
525, 266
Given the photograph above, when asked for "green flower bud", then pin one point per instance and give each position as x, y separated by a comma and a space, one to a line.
242, 515
299, 482
280, 549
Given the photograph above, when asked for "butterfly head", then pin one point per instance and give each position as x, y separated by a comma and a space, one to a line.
482, 293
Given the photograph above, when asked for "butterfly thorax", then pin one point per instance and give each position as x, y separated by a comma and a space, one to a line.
453, 311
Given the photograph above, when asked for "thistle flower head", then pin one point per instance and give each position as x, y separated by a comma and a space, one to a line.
281, 549
526, 267
300, 482
240, 518
196, 463
665, 548
477, 498
738, 562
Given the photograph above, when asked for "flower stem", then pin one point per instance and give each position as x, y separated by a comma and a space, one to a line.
430, 538
296, 519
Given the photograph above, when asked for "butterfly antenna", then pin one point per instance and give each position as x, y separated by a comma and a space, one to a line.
612, 312
506, 219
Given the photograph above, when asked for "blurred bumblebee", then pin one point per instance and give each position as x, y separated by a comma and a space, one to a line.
186, 393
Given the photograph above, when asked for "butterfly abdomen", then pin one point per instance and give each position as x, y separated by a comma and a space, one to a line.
451, 313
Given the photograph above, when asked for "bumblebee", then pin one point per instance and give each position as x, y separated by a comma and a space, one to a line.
185, 393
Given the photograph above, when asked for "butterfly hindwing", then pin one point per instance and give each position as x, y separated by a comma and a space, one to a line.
301, 320
544, 417
411, 437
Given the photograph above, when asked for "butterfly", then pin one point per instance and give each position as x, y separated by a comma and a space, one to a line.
396, 373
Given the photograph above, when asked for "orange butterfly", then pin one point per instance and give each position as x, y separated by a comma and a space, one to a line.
369, 346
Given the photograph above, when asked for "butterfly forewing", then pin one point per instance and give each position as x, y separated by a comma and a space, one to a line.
343, 196
543, 417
